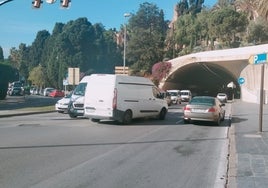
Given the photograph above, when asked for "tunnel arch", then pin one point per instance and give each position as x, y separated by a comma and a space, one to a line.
202, 78
211, 71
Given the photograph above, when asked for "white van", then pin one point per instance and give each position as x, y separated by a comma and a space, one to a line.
122, 98
76, 104
175, 96
186, 95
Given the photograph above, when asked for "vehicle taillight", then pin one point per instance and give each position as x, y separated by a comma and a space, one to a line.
211, 109
186, 108
115, 99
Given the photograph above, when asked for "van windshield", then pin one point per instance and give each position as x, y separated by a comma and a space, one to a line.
185, 93
80, 89
173, 93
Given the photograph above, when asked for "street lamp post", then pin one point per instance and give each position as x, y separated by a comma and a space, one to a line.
125, 38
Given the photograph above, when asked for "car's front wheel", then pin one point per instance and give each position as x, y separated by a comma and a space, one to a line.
72, 115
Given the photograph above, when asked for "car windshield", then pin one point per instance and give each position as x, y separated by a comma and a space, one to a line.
17, 84
202, 101
80, 89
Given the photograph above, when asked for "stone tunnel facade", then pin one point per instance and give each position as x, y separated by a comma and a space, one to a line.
215, 70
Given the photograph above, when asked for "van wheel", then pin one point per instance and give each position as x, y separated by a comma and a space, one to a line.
95, 120
127, 118
162, 114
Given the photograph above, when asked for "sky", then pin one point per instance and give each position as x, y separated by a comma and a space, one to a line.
19, 22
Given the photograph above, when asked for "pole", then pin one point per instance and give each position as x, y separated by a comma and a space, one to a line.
125, 41
125, 38
73, 77
261, 98
173, 41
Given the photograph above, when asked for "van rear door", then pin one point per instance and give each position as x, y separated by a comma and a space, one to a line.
99, 96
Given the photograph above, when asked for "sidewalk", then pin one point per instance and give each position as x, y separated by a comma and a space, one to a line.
10, 113
249, 164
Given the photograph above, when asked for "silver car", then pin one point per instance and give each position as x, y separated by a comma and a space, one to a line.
204, 108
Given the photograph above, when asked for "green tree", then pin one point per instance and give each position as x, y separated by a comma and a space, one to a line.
1, 54
189, 7
37, 75
186, 33
7, 74
19, 59
224, 3
225, 24
37, 48
146, 31
182, 7
202, 26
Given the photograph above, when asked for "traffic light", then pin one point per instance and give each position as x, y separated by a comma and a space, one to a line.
37, 3
50, 1
65, 3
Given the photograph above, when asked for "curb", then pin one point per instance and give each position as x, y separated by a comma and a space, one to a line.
25, 113
232, 166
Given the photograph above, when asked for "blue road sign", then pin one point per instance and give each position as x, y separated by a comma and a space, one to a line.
260, 58
241, 80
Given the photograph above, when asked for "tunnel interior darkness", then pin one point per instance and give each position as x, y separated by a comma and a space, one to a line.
203, 79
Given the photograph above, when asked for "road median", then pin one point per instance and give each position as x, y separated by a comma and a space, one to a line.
26, 111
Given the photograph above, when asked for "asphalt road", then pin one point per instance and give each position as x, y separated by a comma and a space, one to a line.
52, 150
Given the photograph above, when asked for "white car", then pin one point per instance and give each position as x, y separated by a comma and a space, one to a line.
48, 90
222, 97
62, 105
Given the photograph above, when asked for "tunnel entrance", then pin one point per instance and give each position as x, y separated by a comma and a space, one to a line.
203, 79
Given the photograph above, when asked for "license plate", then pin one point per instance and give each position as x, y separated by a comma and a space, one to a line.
198, 110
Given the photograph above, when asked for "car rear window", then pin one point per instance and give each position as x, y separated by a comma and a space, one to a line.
206, 101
